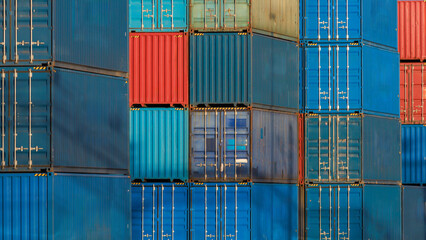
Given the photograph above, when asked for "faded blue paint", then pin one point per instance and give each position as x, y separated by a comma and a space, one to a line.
344, 78
159, 143
64, 206
413, 212
158, 15
349, 148
372, 21
413, 139
95, 139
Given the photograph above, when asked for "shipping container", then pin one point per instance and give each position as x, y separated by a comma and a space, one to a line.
237, 144
158, 16
348, 78
159, 144
66, 33
243, 69
413, 93
331, 21
411, 29
413, 154
413, 212
352, 148
158, 69
352, 212
241, 211
64, 206
160, 211
63, 120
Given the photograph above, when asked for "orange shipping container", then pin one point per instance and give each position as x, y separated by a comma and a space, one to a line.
413, 93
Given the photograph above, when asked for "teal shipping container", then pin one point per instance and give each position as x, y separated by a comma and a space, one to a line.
414, 212
159, 144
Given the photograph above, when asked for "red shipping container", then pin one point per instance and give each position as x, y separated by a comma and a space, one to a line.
413, 93
301, 149
159, 69
412, 30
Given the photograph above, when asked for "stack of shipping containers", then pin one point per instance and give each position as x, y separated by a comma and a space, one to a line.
412, 48
64, 120
350, 95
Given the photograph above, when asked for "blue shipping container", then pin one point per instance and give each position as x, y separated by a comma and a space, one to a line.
159, 143
243, 69
372, 21
413, 154
158, 16
63, 120
85, 33
352, 148
413, 212
160, 211
237, 144
352, 212
64, 206
344, 78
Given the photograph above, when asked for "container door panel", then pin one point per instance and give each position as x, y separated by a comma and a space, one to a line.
148, 213
235, 14
173, 216
348, 213
347, 19
5, 33
205, 14
205, 212
405, 75
5, 109
318, 20
418, 93
236, 212
172, 14
143, 14
319, 213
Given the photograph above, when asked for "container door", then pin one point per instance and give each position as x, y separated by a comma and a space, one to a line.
236, 212
31, 30
172, 14
205, 14
173, 212
418, 93
319, 213
235, 14
318, 19
348, 213
149, 214
405, 75
5, 26
205, 212
142, 14
347, 23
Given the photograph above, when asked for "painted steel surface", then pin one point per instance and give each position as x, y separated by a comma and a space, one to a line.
64, 206
411, 29
158, 15
413, 154
373, 21
301, 148
413, 93
158, 69
413, 212
352, 148
41, 129
344, 78
159, 143
235, 144
160, 211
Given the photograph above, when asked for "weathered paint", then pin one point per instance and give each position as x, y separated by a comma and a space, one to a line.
413, 138
413, 93
413, 212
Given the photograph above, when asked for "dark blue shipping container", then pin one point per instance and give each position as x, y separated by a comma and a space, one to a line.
413, 212
372, 21
63, 120
243, 69
352, 212
90, 33
413, 139
237, 144
160, 211
352, 148
64, 206
347, 78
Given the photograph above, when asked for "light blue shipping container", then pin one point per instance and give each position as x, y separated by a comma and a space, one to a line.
373, 21
64, 206
352, 148
159, 144
89, 33
158, 15
414, 212
413, 154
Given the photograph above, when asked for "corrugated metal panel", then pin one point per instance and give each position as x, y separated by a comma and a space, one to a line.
64, 206
411, 26
343, 78
160, 211
159, 68
349, 148
237, 144
413, 93
159, 143
374, 21
276, 18
413, 212
301, 149
413, 154
154, 15
229, 68
219, 15
49, 133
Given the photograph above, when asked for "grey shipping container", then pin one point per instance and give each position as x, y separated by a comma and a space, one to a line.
237, 144
63, 120
414, 212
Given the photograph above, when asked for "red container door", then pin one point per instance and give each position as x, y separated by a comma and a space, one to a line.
413, 93
158, 73
405, 76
